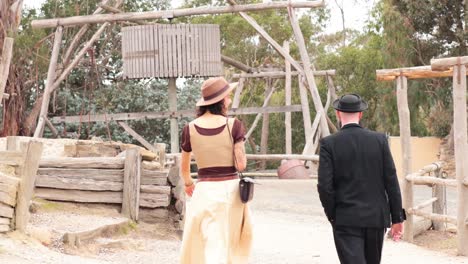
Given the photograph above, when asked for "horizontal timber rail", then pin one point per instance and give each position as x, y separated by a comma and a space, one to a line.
419, 72
170, 114
447, 63
432, 216
424, 204
267, 156
280, 74
165, 14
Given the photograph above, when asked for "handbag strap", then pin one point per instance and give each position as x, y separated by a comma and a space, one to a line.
233, 151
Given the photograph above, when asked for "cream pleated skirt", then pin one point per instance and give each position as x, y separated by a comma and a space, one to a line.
218, 228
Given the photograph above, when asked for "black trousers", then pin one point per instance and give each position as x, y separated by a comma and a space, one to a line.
356, 245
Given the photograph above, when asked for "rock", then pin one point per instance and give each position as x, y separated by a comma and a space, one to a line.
180, 207
173, 176
42, 235
178, 192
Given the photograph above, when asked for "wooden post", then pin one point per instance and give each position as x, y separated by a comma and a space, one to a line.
287, 91
7, 53
438, 191
78, 57
173, 107
51, 75
131, 185
405, 136
308, 72
461, 153
305, 110
161, 151
265, 128
238, 93
51, 127
257, 118
27, 172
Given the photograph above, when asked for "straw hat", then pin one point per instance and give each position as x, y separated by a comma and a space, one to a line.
214, 90
350, 103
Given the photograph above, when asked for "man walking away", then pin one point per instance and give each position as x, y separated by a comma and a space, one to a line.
358, 186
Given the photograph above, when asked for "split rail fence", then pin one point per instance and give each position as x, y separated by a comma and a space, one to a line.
431, 176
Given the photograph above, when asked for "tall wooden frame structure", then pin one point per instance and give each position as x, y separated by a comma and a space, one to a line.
303, 68
454, 67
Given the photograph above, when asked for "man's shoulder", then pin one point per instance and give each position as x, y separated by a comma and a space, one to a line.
366, 132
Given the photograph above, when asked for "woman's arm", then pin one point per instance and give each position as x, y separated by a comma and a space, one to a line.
239, 152
185, 173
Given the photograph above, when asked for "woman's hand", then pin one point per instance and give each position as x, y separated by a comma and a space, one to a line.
189, 188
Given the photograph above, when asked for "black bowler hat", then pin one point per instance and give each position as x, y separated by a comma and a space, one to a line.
350, 103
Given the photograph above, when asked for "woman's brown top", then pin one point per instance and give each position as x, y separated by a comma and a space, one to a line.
213, 148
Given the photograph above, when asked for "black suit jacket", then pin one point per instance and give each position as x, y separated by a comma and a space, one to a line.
357, 180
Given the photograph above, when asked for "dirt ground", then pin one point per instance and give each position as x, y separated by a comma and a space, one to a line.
289, 228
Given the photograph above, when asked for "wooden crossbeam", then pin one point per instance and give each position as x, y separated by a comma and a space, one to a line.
447, 63
419, 72
164, 14
280, 74
168, 114
139, 138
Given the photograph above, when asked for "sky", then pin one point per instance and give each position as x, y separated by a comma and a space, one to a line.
356, 12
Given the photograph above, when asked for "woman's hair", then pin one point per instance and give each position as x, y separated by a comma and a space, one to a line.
216, 109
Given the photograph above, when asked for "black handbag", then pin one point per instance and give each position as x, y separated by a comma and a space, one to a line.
246, 184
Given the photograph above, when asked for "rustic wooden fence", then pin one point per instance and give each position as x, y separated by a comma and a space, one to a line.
113, 180
16, 188
431, 176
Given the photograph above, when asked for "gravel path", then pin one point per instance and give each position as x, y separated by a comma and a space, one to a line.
289, 228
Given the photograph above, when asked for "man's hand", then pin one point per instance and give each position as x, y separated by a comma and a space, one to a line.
189, 189
396, 231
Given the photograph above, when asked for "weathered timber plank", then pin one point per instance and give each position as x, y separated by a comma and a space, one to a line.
152, 200
8, 198
79, 196
75, 239
9, 180
173, 114
4, 228
28, 172
154, 174
14, 158
154, 181
6, 210
89, 163
131, 184
151, 165
155, 189
77, 184
85, 174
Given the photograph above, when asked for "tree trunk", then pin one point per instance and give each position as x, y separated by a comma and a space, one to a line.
14, 107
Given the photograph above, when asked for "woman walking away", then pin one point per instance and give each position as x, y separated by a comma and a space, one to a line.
217, 224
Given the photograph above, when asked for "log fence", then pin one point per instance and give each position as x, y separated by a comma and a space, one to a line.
116, 180
438, 184
454, 67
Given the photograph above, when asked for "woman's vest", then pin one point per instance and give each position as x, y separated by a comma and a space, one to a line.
213, 150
